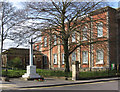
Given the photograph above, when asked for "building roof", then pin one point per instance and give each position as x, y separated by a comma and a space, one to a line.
21, 51
104, 9
118, 9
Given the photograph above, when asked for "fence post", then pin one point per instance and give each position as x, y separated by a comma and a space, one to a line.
75, 70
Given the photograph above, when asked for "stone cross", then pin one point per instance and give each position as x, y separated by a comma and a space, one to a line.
31, 69
31, 52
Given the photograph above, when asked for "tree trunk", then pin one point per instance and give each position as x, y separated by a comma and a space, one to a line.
2, 28
1, 37
66, 56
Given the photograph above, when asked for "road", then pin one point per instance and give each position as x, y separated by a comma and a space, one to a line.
109, 85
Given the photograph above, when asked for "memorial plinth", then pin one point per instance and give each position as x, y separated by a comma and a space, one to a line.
31, 73
31, 69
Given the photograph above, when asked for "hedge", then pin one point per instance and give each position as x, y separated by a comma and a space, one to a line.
58, 73
42, 72
55, 73
98, 74
13, 73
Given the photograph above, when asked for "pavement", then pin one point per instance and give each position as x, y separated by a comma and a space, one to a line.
19, 83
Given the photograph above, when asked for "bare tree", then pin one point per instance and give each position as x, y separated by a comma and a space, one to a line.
63, 19
10, 18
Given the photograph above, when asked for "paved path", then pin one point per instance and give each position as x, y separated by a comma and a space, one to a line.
17, 83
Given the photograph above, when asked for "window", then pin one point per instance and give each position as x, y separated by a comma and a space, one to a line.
45, 59
45, 41
73, 56
55, 40
85, 33
99, 57
39, 47
63, 58
35, 47
73, 37
85, 57
100, 29
55, 58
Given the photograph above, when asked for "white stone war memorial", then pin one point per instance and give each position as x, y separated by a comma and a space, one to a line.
31, 69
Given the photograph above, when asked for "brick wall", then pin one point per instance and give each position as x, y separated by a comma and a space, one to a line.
107, 43
112, 36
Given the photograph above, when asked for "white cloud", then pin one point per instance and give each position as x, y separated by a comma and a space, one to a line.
10, 44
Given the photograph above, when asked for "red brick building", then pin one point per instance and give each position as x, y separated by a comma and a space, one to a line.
103, 51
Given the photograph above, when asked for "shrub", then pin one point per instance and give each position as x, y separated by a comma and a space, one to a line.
15, 63
55, 73
95, 74
42, 72
58, 73
13, 73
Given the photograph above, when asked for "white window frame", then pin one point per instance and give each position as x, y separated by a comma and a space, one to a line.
73, 37
45, 59
99, 29
55, 58
73, 56
35, 47
100, 60
85, 33
85, 58
45, 41
39, 47
55, 39
63, 60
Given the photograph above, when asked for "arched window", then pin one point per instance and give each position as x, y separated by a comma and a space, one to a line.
85, 33
100, 29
